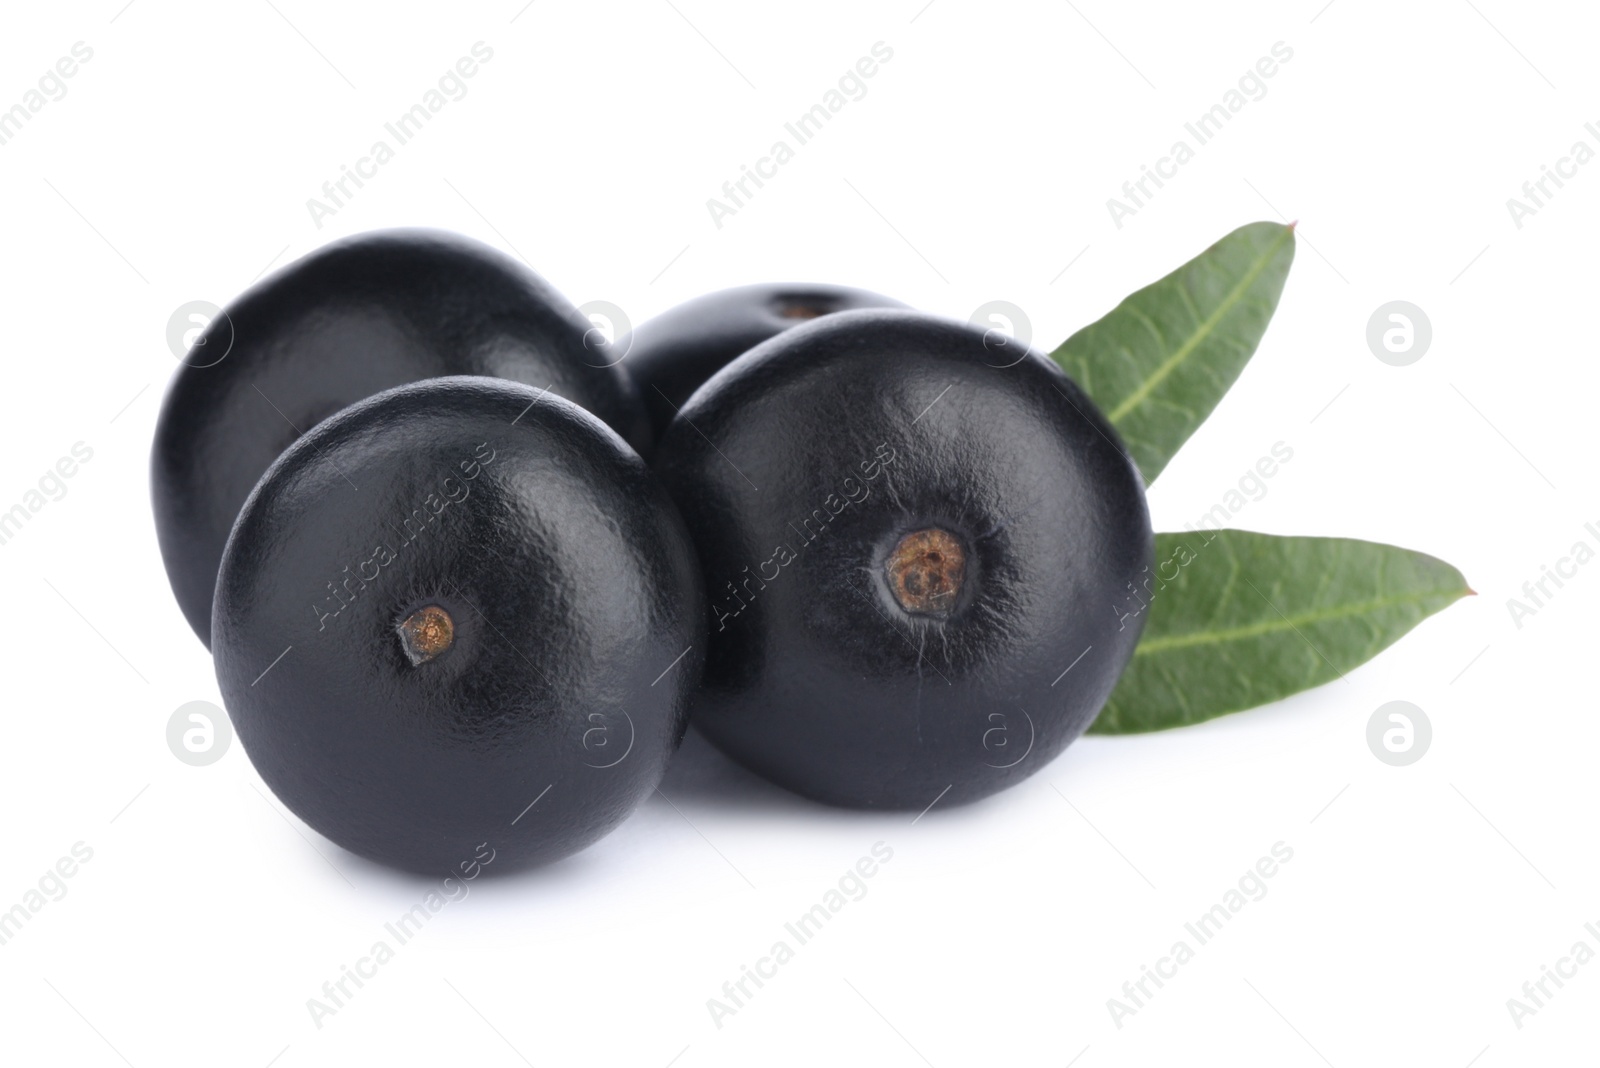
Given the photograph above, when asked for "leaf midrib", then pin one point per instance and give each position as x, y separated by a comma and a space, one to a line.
1183, 352
1282, 623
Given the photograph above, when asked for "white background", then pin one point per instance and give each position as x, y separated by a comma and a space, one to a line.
977, 167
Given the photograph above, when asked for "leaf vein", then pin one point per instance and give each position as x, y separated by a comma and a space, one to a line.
1185, 350
1283, 623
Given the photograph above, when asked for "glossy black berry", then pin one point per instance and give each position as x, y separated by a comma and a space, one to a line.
460, 612
671, 355
919, 552
352, 319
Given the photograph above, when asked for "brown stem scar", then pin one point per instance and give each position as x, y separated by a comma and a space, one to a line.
426, 634
925, 571
797, 310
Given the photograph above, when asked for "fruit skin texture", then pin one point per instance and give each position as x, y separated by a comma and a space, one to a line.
352, 319
570, 586
673, 354
808, 462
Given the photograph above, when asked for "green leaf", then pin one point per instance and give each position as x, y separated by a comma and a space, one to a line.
1157, 363
1238, 619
